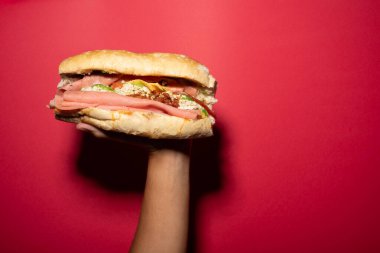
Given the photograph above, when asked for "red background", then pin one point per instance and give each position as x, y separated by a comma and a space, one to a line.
294, 166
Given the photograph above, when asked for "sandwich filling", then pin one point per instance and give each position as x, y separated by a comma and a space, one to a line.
175, 97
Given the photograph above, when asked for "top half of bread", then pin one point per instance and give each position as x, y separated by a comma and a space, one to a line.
146, 64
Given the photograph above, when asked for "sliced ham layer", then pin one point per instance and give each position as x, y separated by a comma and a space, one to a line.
192, 91
181, 88
83, 99
89, 81
75, 106
71, 98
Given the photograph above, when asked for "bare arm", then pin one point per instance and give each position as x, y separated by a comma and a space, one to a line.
163, 224
163, 221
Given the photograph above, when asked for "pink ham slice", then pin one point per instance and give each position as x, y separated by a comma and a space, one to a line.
75, 106
89, 81
83, 99
86, 81
192, 91
180, 88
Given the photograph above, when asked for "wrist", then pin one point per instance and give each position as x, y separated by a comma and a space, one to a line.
174, 146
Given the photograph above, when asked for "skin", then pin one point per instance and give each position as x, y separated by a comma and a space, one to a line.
163, 223
164, 215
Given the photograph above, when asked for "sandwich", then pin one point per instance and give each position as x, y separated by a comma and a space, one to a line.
154, 95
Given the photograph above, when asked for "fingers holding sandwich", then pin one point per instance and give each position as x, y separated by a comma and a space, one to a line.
152, 145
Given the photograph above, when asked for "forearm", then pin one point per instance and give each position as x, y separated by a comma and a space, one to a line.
164, 216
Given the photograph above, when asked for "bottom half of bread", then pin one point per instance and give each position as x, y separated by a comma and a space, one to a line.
142, 123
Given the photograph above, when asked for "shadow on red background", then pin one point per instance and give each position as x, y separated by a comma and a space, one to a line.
121, 167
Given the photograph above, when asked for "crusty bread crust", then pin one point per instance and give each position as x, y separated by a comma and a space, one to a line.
148, 124
148, 64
